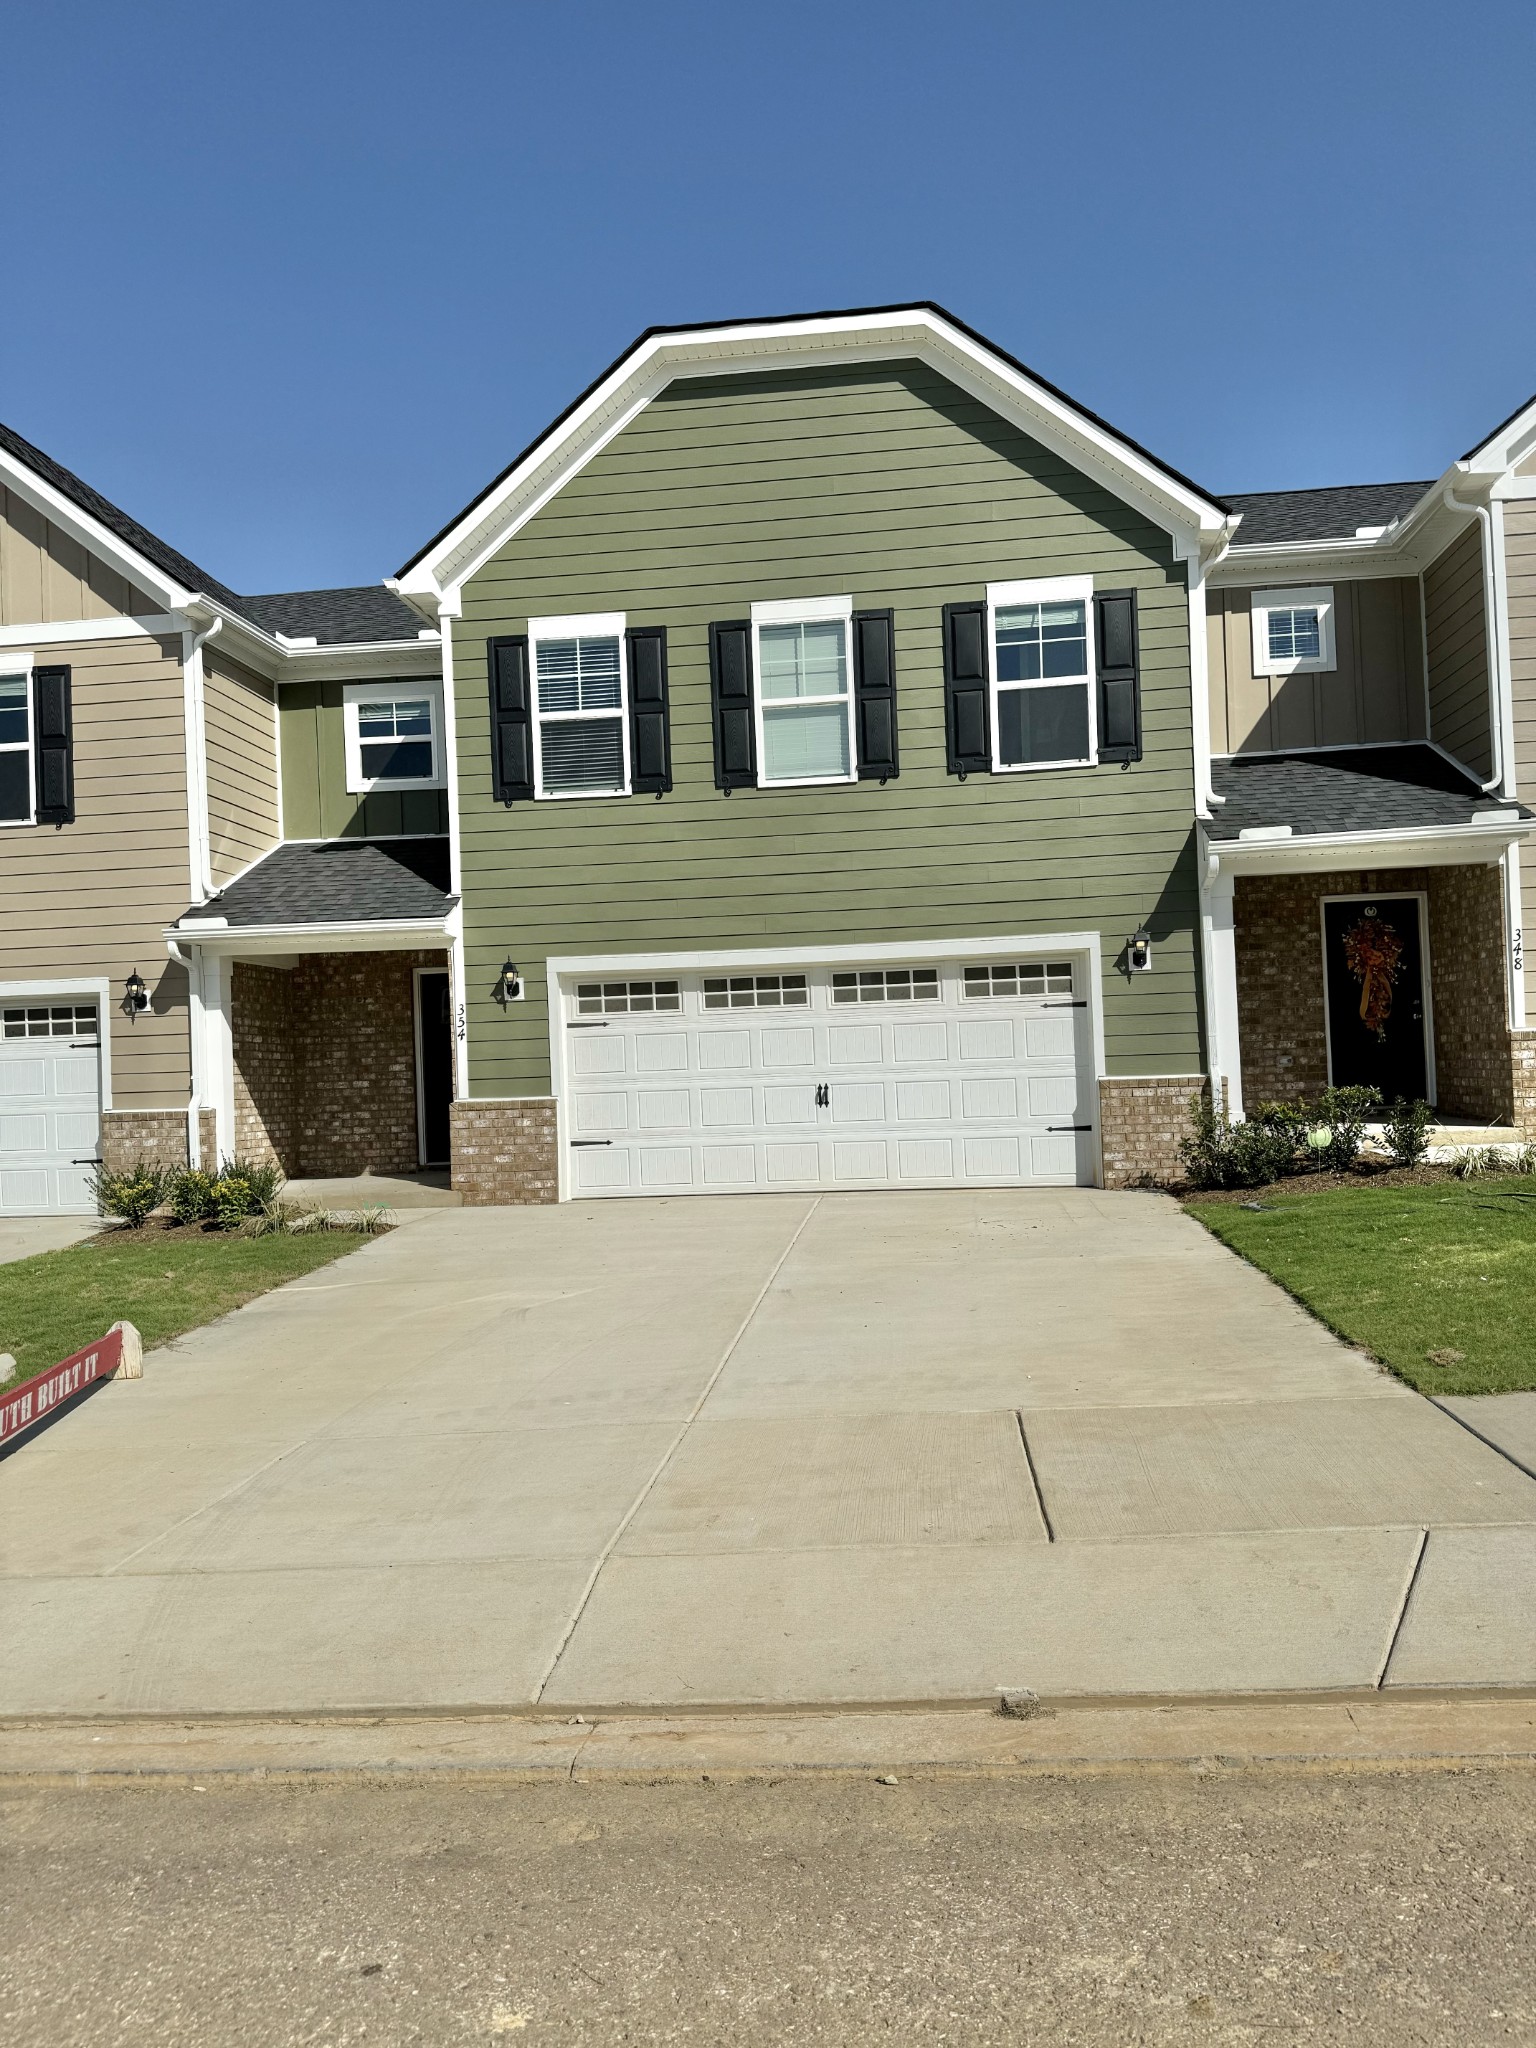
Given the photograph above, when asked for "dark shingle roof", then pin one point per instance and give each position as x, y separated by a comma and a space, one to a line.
340, 881
1348, 789
335, 617
1332, 513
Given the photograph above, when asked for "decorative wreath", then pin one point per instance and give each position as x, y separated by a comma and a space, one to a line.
1372, 952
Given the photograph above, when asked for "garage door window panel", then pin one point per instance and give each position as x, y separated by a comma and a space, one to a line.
55, 1020
581, 713
627, 998
1042, 674
887, 985
1022, 978
16, 775
757, 992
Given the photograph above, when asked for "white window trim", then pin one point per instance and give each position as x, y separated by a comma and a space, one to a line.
353, 694
1046, 590
1263, 602
21, 664
579, 626
803, 611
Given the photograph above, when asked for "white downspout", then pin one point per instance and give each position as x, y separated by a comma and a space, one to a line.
1498, 695
200, 857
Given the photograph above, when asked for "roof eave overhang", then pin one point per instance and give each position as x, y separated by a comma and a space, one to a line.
1415, 846
376, 935
1200, 525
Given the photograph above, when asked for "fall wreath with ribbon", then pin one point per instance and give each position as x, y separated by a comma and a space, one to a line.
1372, 952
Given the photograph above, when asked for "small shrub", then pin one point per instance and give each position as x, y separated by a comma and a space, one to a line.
1405, 1131
189, 1194
1343, 1114
1218, 1154
234, 1199
130, 1193
1476, 1161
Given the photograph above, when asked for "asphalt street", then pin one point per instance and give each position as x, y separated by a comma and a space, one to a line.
1145, 1905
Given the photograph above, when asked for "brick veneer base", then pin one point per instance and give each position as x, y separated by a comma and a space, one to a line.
1522, 1060
129, 1135
1142, 1119
505, 1151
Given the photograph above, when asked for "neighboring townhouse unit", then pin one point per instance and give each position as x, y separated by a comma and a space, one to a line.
876, 771
223, 860
828, 757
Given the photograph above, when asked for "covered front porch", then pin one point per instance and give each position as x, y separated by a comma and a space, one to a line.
1360, 929
322, 1006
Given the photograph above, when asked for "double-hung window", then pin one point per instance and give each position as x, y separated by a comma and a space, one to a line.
1040, 636
394, 735
17, 780
803, 662
1293, 631
580, 705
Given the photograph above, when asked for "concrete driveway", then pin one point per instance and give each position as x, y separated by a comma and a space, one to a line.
777, 1449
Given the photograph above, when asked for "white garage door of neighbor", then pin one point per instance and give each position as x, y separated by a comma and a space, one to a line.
50, 1108
974, 1074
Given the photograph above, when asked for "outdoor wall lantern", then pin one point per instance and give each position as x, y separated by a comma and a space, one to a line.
135, 994
509, 984
1138, 954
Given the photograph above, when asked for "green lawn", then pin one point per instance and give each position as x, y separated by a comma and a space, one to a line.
162, 1281
1445, 1267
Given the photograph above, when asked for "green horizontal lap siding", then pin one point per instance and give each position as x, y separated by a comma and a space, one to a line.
316, 801
888, 483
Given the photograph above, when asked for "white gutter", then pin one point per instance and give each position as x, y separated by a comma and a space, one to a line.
1498, 695
1412, 845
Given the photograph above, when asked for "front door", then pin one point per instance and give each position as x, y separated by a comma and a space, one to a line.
1374, 962
434, 1066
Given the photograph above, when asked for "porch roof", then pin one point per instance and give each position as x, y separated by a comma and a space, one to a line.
1407, 787
333, 882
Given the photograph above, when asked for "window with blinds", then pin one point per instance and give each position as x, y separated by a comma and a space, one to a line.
579, 700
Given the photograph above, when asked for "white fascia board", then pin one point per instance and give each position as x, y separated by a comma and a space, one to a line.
1431, 846
903, 335
385, 936
90, 533
1287, 563
1503, 449
364, 661
70, 632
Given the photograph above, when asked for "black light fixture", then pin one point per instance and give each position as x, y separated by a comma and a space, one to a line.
509, 983
1138, 952
135, 994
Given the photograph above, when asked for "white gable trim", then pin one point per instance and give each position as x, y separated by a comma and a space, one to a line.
906, 334
1506, 446
90, 533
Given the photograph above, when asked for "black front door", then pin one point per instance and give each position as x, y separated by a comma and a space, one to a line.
434, 1066
1375, 974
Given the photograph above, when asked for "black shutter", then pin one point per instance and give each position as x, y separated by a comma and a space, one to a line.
650, 739
730, 689
506, 661
54, 742
967, 726
1119, 676
874, 691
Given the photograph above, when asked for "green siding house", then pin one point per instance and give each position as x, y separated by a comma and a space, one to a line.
827, 770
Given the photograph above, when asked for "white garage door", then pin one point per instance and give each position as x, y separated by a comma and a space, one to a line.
50, 1108
959, 1075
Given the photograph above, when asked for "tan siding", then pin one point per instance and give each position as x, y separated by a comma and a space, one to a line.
1456, 622
92, 898
1520, 573
239, 721
1374, 694
45, 576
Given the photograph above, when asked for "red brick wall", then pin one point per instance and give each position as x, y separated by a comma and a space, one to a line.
1280, 982
325, 1062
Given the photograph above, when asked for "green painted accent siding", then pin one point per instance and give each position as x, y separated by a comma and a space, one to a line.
886, 482
316, 801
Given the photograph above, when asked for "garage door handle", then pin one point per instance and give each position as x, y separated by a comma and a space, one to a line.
1069, 1127
85, 1162
590, 1141
586, 1027
1080, 1004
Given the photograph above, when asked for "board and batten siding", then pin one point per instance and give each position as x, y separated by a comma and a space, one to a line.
1520, 576
93, 898
887, 483
1375, 693
47, 578
316, 801
1456, 635
240, 729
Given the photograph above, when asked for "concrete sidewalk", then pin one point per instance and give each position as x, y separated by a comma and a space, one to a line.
768, 1450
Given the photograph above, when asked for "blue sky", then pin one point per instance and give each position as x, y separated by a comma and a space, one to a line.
291, 282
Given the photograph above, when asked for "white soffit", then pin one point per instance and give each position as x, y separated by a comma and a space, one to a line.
906, 334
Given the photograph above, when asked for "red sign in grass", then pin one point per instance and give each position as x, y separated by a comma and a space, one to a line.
23, 1407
